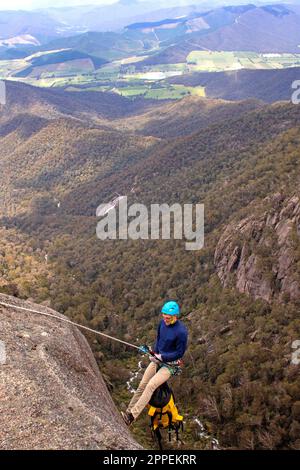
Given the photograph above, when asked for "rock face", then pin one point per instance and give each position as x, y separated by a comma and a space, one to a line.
52, 395
260, 255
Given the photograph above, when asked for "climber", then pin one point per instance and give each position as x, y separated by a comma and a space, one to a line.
170, 346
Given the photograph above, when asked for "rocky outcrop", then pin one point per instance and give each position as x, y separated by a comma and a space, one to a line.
260, 255
52, 395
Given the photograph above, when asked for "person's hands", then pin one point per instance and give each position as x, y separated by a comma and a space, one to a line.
156, 358
144, 349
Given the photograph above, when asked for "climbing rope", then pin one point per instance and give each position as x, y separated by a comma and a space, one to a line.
141, 349
65, 320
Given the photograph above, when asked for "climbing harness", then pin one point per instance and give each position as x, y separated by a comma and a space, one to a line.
175, 367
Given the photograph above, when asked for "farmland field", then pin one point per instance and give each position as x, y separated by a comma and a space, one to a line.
126, 78
157, 92
212, 61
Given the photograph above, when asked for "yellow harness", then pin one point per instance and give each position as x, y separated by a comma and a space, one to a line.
166, 417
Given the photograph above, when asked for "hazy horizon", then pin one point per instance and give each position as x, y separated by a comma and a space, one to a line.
40, 4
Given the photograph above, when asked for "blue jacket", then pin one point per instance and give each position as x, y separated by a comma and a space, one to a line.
171, 341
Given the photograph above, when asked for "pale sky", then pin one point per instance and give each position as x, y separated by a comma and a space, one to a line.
32, 4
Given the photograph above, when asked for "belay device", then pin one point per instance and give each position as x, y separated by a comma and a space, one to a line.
164, 413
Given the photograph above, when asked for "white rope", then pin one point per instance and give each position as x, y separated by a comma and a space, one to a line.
4, 304
65, 320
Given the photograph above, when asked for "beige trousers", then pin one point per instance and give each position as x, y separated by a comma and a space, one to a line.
151, 380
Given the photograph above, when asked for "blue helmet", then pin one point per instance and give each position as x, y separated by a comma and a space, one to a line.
171, 308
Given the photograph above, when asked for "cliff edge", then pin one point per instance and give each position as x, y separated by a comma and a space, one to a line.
52, 395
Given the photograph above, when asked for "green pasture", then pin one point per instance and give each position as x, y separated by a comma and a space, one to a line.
213, 61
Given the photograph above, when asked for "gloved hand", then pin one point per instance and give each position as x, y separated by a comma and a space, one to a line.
144, 349
156, 358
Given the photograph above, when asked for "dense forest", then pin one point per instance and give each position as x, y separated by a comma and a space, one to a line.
241, 160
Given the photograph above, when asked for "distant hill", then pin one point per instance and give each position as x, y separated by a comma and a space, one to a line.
265, 85
49, 23
37, 24
195, 21
23, 39
58, 61
12, 53
108, 45
104, 18
52, 103
257, 29
188, 115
